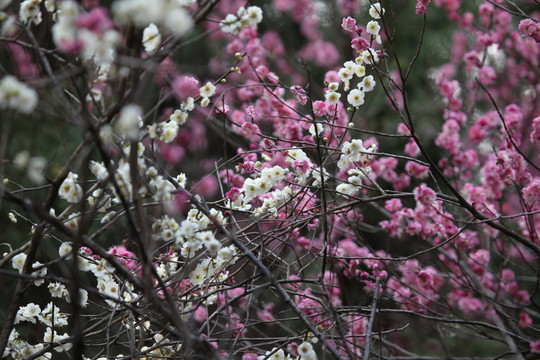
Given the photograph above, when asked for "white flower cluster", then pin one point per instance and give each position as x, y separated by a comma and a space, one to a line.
167, 131
122, 176
267, 179
18, 263
99, 170
206, 91
17, 95
152, 185
191, 236
244, 18
332, 95
73, 221
107, 284
179, 116
240, 204
354, 153
99, 200
172, 15
296, 157
52, 318
159, 352
35, 166
162, 188
373, 27
355, 68
29, 11
274, 201
98, 47
350, 69
354, 181
70, 190
274, 354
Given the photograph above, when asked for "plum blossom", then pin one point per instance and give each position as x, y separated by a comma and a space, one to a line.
16, 95
151, 39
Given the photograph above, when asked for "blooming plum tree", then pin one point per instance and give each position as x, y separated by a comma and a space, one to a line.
216, 188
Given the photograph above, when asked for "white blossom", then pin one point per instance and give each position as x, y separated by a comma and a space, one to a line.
18, 261
151, 39
373, 28
316, 129
332, 97
367, 84
179, 116
207, 90
29, 11
36, 168
17, 95
244, 18
355, 97
70, 190
28, 313
128, 122
376, 11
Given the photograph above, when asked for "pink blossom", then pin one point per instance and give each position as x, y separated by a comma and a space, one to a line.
250, 356
480, 256
485, 12
200, 314
323, 53
403, 129
535, 346
231, 179
172, 153
222, 109
89, 4
393, 205
471, 58
417, 170
402, 181
531, 193
522, 297
359, 44
507, 275
535, 134
233, 194
319, 108
207, 186
349, 24
250, 130
331, 76
299, 93
529, 27
486, 75
124, 256
424, 195
24, 64
303, 243
421, 6
97, 20
470, 305
524, 320
185, 86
